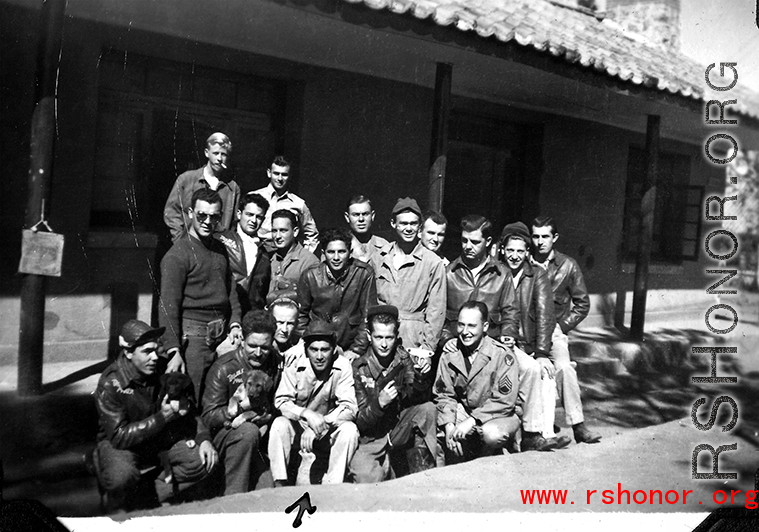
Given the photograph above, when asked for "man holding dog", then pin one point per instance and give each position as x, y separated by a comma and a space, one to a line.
236, 432
134, 422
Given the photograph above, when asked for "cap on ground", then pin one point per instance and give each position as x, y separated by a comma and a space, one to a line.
518, 229
319, 330
135, 333
407, 204
382, 309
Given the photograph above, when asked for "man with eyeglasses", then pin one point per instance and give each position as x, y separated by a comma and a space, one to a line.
279, 197
412, 278
211, 176
360, 216
249, 261
198, 306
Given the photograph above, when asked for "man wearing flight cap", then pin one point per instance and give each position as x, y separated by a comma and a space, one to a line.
395, 410
132, 430
412, 278
318, 405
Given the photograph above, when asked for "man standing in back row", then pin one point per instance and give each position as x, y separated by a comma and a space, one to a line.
279, 197
572, 304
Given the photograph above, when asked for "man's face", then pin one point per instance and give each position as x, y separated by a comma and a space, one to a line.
543, 239
216, 155
282, 233
383, 337
320, 354
515, 251
406, 225
205, 216
360, 217
336, 255
256, 348
251, 218
432, 235
278, 177
144, 357
471, 327
474, 247
286, 319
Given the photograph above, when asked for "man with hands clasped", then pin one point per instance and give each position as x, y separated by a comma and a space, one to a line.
318, 405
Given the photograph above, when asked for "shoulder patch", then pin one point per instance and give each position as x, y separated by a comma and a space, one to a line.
509, 359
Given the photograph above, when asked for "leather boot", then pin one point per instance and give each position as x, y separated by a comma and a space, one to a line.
419, 456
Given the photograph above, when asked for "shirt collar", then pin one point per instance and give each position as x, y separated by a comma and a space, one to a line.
246, 237
551, 258
272, 192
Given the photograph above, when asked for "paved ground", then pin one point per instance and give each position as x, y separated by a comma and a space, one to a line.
638, 395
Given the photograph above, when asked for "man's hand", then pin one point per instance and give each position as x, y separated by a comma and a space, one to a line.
208, 455
176, 362
387, 395
351, 355
450, 346
315, 421
453, 445
307, 440
170, 409
509, 341
464, 429
235, 335
423, 364
546, 368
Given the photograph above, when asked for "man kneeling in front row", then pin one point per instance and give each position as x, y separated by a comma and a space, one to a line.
476, 390
395, 412
318, 405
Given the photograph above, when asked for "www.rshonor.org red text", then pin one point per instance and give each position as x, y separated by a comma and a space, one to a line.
620, 496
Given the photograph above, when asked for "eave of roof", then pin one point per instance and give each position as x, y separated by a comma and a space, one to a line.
578, 39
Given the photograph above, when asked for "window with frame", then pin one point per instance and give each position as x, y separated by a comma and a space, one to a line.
154, 116
677, 214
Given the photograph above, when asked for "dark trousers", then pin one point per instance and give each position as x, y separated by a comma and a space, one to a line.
239, 451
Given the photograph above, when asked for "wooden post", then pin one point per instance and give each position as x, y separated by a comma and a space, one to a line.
647, 207
32, 315
440, 113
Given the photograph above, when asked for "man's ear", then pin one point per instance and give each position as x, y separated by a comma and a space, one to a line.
486, 325
392, 222
239, 214
268, 172
555, 237
347, 217
488, 241
206, 152
296, 230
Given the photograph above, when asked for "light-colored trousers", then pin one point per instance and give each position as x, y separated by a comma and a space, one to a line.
566, 377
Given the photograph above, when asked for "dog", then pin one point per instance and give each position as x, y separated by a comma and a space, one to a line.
251, 401
178, 387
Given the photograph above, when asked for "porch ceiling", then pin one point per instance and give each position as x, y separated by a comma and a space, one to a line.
353, 38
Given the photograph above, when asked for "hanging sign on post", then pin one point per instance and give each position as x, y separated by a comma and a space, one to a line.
41, 251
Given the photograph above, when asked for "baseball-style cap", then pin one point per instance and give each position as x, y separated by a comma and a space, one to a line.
319, 330
407, 204
135, 333
382, 309
518, 229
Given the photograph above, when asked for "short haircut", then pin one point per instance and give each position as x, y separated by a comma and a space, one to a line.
207, 195
286, 213
545, 221
258, 321
252, 197
383, 318
475, 222
355, 200
336, 233
219, 139
436, 217
280, 161
284, 302
479, 305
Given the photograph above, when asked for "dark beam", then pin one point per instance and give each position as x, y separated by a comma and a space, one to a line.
32, 315
441, 112
647, 207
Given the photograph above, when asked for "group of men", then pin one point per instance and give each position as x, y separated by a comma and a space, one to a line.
367, 359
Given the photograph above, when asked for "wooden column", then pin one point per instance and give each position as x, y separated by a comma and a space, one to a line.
32, 318
648, 205
439, 149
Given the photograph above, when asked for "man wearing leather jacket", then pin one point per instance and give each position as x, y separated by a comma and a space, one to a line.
134, 421
571, 305
395, 412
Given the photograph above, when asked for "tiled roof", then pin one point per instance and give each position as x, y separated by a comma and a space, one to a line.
579, 39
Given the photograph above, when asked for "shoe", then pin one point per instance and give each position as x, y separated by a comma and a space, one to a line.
585, 435
534, 441
561, 441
